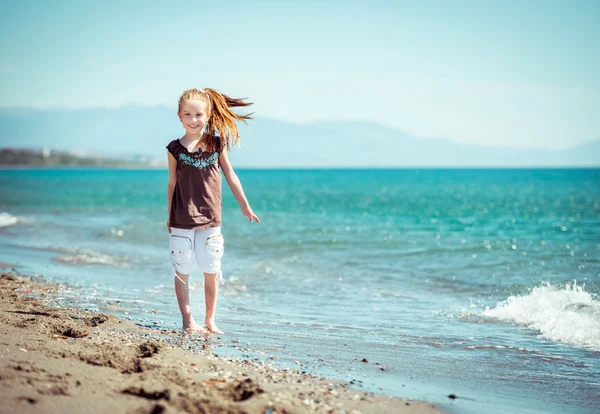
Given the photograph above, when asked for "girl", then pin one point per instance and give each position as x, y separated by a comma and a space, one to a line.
194, 194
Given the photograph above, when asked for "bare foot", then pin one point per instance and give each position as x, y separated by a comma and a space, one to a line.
194, 327
212, 328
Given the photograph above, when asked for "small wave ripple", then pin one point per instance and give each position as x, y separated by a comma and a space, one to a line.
84, 258
7, 220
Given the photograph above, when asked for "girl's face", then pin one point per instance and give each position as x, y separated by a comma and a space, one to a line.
193, 116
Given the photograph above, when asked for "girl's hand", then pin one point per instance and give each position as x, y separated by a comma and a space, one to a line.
250, 214
169, 225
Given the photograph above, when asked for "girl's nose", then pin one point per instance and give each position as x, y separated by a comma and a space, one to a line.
195, 119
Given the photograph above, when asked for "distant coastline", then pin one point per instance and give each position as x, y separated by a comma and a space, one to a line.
24, 158
34, 158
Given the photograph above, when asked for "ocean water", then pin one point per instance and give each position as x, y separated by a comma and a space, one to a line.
480, 283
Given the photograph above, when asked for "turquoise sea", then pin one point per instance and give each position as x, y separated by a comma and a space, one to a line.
481, 283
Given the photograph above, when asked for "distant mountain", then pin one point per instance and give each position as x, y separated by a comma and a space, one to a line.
134, 132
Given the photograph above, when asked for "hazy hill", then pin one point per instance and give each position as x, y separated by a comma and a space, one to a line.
143, 132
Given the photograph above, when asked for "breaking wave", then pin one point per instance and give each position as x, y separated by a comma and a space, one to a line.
561, 313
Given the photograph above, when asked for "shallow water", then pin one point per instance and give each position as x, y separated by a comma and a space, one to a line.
481, 283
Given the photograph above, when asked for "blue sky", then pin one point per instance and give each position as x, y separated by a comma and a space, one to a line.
493, 73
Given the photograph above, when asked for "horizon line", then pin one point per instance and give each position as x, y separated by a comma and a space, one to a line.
8, 167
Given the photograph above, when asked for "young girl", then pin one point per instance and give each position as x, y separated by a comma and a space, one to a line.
194, 194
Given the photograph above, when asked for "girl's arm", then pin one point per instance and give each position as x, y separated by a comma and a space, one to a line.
236, 187
171, 186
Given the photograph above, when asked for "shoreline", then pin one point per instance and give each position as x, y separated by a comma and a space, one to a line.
56, 360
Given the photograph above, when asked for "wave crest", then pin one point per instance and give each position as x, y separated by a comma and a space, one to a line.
561, 313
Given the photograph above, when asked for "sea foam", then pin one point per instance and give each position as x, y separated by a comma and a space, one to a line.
91, 258
7, 219
561, 313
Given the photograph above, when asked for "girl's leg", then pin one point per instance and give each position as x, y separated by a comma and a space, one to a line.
211, 294
183, 298
209, 246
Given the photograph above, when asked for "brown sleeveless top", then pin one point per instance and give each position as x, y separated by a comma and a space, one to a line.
196, 200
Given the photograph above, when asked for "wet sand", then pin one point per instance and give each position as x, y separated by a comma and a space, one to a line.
55, 360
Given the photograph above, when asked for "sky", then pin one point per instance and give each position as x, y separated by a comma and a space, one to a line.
521, 74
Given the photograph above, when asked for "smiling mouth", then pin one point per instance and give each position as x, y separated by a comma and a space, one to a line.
194, 127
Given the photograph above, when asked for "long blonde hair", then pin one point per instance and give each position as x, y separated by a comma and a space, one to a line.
221, 118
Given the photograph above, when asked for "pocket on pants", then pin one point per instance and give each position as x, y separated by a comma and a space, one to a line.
215, 247
180, 249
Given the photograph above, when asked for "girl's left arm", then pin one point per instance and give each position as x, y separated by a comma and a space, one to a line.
236, 187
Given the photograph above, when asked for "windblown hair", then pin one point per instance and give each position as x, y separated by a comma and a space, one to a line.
221, 119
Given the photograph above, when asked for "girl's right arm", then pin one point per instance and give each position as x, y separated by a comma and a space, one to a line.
171, 186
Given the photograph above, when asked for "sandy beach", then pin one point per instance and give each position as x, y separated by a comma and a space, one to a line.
55, 360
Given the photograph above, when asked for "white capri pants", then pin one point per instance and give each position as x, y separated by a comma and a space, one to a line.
206, 245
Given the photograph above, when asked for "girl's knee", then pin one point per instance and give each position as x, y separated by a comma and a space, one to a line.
182, 277
210, 277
